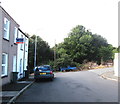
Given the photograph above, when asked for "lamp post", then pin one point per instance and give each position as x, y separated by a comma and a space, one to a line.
55, 54
35, 48
35, 51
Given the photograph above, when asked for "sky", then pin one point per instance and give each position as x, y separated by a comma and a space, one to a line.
53, 19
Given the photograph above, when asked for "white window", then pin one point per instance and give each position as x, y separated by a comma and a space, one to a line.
20, 65
15, 34
4, 64
21, 47
6, 28
25, 65
14, 64
26, 45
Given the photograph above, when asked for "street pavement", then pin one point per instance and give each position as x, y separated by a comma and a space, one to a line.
102, 71
11, 90
82, 86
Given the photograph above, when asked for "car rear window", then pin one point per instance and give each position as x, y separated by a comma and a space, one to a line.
44, 68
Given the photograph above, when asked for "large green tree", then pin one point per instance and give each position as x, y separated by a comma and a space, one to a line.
82, 45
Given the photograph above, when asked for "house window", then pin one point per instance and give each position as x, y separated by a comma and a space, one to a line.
6, 28
26, 47
14, 64
21, 47
4, 64
15, 34
25, 64
20, 65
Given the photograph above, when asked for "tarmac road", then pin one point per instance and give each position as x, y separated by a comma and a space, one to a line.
82, 86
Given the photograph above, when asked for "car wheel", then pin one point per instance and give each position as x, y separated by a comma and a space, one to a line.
51, 79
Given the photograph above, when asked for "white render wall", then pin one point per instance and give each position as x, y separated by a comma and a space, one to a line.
26, 54
0, 46
20, 56
116, 64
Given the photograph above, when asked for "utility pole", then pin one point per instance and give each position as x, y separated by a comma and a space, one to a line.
35, 54
55, 54
35, 51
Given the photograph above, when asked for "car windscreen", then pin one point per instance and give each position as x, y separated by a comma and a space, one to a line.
47, 66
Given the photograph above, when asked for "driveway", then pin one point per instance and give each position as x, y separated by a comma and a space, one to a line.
82, 86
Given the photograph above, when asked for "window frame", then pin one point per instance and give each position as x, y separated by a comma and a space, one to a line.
6, 29
26, 44
14, 63
5, 65
21, 46
15, 33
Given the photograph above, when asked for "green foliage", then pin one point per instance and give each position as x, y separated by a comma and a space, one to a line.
63, 61
116, 50
86, 38
82, 45
106, 53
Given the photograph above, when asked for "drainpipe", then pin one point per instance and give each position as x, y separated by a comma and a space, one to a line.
24, 58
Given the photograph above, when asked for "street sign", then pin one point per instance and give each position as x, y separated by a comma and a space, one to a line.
19, 40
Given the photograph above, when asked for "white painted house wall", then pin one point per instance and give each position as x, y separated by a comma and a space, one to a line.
0, 48
116, 65
26, 54
20, 56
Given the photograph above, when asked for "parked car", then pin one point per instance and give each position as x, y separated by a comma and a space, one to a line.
43, 72
71, 68
68, 69
63, 69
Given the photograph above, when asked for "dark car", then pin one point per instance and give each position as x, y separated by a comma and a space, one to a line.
43, 72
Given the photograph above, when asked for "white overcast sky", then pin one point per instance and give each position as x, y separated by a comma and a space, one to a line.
53, 19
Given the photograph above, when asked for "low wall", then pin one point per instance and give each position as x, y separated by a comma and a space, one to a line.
117, 64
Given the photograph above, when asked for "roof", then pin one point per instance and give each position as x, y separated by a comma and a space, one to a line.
23, 32
3, 10
14, 21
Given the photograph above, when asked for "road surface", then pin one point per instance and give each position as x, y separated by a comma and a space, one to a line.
82, 86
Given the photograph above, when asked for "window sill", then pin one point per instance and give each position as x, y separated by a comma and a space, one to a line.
6, 39
4, 76
15, 43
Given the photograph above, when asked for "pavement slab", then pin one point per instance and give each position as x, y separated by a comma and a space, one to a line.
106, 73
14, 86
24, 82
8, 93
102, 71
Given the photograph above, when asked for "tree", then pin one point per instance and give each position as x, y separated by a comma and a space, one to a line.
82, 45
106, 53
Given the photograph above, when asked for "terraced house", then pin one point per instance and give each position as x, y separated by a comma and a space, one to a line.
9, 51
22, 55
